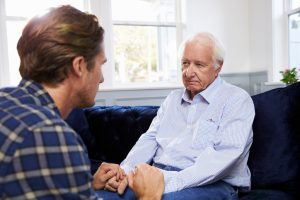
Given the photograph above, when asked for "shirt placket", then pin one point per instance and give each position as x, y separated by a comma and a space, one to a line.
191, 115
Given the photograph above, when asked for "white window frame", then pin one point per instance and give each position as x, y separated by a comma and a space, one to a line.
290, 11
4, 71
281, 9
279, 41
102, 9
4, 57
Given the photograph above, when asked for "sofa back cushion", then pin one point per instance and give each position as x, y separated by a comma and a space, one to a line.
116, 129
274, 159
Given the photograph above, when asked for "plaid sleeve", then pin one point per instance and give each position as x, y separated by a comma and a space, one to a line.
50, 163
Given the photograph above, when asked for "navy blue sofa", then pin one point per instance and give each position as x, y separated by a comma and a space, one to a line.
109, 132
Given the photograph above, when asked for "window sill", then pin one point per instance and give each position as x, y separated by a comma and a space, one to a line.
140, 87
274, 83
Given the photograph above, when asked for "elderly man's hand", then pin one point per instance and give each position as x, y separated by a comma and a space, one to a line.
147, 182
105, 172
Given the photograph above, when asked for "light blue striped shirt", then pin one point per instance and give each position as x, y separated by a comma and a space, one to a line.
208, 137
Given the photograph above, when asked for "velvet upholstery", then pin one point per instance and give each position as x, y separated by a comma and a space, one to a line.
109, 132
274, 158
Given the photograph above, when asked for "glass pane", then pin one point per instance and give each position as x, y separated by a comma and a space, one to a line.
143, 10
294, 40
16, 7
145, 54
295, 4
14, 29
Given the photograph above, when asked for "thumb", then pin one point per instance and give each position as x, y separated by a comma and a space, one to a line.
122, 186
130, 179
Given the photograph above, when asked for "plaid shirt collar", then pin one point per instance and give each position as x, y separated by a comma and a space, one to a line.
42, 97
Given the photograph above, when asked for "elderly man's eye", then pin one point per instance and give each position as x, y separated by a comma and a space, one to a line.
185, 63
200, 65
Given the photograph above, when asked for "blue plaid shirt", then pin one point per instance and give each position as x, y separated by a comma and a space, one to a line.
41, 157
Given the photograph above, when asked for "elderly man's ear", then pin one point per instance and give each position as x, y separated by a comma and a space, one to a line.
218, 68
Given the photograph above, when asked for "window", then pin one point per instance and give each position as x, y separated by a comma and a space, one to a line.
12, 24
294, 33
144, 41
295, 4
141, 38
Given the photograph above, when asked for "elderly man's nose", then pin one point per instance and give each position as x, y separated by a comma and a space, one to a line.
189, 71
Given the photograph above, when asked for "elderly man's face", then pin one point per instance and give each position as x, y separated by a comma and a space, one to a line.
198, 69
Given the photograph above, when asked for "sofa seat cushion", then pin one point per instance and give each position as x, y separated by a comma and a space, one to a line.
274, 159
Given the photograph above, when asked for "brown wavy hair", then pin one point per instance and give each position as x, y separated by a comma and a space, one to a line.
49, 43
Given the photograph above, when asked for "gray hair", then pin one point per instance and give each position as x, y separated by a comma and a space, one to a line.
218, 49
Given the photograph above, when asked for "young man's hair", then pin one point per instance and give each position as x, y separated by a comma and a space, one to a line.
49, 43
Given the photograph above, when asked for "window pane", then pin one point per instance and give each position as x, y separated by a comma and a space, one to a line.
295, 4
294, 40
14, 29
145, 54
143, 10
16, 7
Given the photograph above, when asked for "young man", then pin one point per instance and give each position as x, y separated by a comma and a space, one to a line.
41, 157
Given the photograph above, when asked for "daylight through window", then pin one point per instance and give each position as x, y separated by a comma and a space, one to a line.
144, 41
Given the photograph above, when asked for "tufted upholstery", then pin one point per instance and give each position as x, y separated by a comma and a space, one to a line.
109, 132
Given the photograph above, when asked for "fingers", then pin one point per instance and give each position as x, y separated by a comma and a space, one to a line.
130, 179
105, 172
116, 186
120, 174
108, 175
112, 183
122, 186
108, 187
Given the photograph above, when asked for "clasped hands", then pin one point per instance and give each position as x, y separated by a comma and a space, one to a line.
146, 181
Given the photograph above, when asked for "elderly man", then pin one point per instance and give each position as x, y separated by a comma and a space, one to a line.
201, 136
41, 157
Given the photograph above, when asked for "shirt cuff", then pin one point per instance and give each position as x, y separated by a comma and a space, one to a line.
172, 181
127, 168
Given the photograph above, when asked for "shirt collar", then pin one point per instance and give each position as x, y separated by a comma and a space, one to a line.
207, 94
42, 97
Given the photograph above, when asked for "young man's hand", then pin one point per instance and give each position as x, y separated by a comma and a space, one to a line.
117, 183
147, 182
105, 172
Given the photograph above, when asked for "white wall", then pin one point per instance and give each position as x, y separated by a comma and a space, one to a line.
260, 12
245, 28
229, 22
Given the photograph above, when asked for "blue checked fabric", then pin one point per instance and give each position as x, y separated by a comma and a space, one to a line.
41, 157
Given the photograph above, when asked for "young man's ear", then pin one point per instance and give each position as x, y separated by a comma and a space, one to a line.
78, 66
